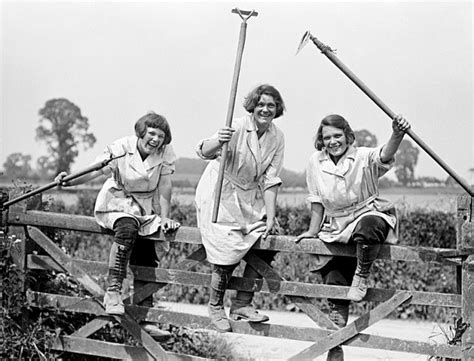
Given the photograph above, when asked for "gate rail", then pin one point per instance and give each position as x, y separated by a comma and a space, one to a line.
325, 334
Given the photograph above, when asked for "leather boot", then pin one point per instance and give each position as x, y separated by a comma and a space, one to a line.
366, 255
339, 314
219, 279
118, 262
241, 308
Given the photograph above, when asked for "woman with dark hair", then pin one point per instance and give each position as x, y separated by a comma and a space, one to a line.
248, 199
134, 201
342, 181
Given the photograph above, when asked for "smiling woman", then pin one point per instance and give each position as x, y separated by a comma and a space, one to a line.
346, 207
248, 200
153, 132
135, 200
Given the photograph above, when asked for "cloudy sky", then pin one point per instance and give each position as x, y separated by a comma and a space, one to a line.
118, 60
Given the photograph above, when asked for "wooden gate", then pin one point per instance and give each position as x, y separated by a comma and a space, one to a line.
324, 335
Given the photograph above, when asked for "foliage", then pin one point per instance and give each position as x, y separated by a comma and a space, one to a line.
418, 227
364, 138
405, 162
28, 333
45, 167
63, 127
20, 340
17, 165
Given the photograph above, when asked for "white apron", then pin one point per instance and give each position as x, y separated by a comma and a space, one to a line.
253, 165
348, 191
132, 190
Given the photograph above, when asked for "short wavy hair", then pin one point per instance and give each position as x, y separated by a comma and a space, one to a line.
153, 120
252, 99
336, 121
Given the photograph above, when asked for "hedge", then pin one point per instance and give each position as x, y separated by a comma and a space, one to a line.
418, 227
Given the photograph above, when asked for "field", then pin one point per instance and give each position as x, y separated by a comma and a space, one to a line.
442, 199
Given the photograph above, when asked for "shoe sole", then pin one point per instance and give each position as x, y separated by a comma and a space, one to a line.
221, 330
115, 312
243, 318
161, 338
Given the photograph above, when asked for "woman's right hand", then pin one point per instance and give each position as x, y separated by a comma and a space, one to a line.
59, 179
224, 135
306, 234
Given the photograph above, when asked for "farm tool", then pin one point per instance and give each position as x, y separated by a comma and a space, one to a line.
244, 15
93, 167
329, 52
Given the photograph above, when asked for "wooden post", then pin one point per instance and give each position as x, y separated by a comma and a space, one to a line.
21, 245
464, 232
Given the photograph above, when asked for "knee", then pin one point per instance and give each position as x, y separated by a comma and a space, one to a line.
371, 230
126, 232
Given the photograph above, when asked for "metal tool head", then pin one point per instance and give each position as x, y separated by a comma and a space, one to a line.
244, 14
304, 40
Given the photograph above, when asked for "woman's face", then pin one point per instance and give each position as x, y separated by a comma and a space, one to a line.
264, 112
151, 141
334, 141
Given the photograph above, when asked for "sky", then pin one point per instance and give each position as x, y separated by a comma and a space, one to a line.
118, 60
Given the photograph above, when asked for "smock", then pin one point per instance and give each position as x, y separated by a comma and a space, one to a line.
132, 189
252, 166
349, 191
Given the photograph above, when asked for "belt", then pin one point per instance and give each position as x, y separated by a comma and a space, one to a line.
236, 181
351, 209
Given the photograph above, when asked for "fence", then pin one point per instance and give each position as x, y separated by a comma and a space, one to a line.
324, 335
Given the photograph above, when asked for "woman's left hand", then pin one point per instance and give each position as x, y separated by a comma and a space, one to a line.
168, 225
273, 227
400, 125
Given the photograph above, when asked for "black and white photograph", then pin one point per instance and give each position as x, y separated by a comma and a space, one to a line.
237, 180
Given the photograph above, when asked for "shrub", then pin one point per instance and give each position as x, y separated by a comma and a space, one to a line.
28, 333
418, 227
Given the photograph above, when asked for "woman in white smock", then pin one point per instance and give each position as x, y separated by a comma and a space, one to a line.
248, 199
342, 182
134, 200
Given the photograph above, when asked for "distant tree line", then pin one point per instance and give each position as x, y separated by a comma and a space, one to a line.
64, 130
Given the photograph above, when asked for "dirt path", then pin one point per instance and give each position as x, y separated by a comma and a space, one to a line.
269, 348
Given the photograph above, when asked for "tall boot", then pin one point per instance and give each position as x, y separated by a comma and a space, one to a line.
118, 262
241, 307
338, 314
219, 279
366, 255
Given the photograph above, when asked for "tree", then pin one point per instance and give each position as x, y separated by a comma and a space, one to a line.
405, 162
364, 138
63, 128
17, 165
45, 167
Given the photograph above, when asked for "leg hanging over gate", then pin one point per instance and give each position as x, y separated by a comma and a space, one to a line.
369, 234
241, 307
219, 279
126, 232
